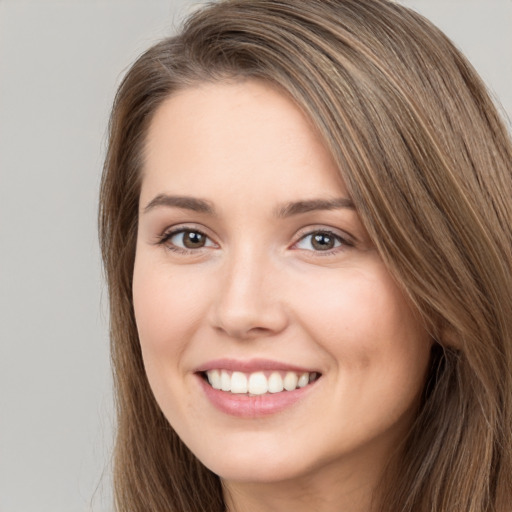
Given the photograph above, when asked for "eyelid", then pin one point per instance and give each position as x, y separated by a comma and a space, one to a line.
171, 231
346, 239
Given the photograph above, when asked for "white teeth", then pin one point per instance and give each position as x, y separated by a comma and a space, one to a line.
303, 380
214, 379
290, 381
225, 381
238, 382
258, 383
275, 383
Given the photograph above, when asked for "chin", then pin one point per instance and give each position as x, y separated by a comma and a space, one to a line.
247, 470
261, 460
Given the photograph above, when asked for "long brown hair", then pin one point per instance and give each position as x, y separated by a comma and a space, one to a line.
427, 162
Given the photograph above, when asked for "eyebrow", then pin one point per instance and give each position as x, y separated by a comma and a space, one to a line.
287, 210
298, 207
185, 202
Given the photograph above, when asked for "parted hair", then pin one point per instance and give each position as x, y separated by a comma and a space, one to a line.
427, 162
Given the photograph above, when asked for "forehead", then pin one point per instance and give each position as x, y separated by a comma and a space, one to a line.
245, 133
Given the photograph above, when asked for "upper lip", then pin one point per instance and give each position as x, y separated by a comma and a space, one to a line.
252, 365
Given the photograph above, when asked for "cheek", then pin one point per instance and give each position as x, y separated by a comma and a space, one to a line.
369, 329
358, 308
167, 307
168, 312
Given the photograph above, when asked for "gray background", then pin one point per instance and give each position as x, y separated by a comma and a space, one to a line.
60, 63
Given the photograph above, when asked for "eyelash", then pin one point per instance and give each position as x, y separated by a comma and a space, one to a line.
166, 237
344, 242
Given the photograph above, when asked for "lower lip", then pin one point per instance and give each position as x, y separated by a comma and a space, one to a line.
245, 406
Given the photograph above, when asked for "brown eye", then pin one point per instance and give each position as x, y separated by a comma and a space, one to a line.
320, 241
323, 241
186, 239
193, 239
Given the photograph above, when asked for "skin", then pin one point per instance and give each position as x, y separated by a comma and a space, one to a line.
259, 288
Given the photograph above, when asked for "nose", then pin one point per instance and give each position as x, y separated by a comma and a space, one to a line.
249, 301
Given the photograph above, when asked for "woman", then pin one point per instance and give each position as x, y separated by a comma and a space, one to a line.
305, 223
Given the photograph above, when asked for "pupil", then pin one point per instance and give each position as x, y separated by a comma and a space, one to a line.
323, 241
193, 240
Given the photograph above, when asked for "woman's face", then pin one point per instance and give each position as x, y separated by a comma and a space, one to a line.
253, 270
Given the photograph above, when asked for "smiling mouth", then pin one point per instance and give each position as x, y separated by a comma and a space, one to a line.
258, 383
